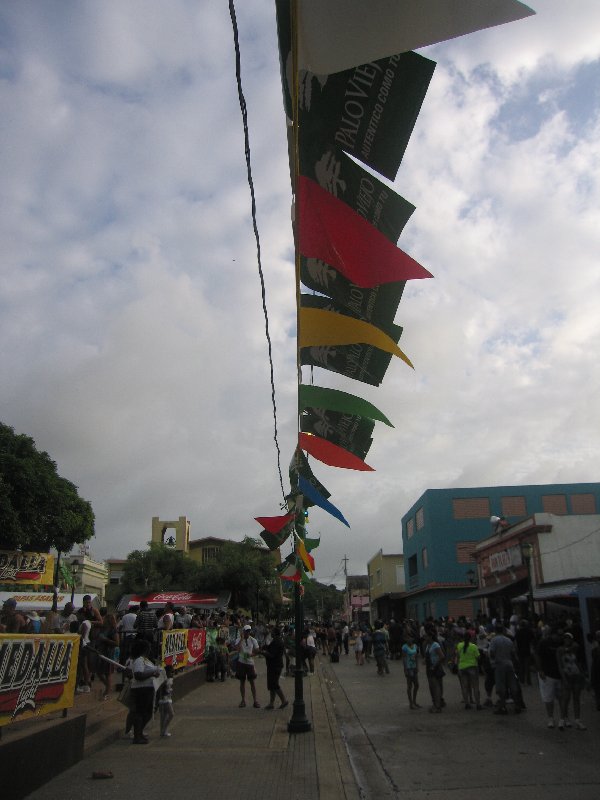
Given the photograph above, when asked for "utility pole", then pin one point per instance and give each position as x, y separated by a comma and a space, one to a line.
347, 591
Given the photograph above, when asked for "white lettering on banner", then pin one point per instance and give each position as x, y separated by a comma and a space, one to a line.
27, 668
345, 136
500, 561
179, 597
12, 564
175, 643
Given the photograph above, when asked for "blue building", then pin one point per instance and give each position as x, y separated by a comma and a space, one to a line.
440, 531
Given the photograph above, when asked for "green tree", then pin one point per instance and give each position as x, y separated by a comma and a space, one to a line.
38, 508
320, 601
242, 568
160, 568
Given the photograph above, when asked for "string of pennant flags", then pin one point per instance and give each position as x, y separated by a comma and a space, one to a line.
352, 90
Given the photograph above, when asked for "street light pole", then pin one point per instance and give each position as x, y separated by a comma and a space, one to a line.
527, 552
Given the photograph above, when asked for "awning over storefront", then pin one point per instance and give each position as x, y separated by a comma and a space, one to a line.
554, 592
155, 600
498, 588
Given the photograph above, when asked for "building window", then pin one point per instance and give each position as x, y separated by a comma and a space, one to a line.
420, 517
413, 568
115, 581
554, 503
209, 555
583, 504
464, 552
424, 558
399, 575
378, 575
471, 507
410, 528
514, 507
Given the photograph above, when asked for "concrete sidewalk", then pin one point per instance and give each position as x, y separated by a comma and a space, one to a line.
215, 747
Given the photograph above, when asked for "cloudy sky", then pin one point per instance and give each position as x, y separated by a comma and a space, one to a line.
131, 328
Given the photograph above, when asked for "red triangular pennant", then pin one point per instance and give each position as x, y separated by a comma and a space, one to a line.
331, 454
332, 231
274, 524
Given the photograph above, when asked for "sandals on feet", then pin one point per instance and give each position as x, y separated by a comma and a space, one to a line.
242, 704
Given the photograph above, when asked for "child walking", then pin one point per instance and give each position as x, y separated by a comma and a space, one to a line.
165, 703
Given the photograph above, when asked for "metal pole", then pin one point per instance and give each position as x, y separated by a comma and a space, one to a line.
529, 589
299, 722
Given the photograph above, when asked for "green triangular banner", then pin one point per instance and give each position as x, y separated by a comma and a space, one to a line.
335, 400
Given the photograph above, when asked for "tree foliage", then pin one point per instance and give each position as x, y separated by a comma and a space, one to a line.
320, 601
242, 568
159, 568
38, 508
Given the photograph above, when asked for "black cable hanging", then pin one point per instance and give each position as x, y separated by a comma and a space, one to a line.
242, 100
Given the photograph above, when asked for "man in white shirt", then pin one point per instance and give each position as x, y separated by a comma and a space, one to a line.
247, 647
127, 633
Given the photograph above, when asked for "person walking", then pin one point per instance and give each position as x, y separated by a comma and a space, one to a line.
380, 648
502, 652
359, 648
434, 664
572, 682
273, 653
142, 688
549, 678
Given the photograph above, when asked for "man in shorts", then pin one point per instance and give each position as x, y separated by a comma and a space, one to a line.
548, 673
247, 648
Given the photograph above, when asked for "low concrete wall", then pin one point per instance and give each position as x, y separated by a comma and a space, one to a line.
29, 761
188, 680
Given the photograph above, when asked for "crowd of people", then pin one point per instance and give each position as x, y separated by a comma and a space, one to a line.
484, 654
500, 656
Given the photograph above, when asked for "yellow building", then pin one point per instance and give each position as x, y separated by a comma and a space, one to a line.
90, 576
386, 586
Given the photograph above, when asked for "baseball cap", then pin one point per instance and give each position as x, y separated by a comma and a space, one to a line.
247, 627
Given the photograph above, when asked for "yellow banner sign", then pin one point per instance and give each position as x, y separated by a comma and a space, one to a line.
174, 651
26, 568
38, 674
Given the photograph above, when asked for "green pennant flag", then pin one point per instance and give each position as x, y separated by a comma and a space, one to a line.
311, 544
335, 400
275, 540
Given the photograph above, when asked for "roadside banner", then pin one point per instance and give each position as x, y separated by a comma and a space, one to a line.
174, 651
196, 645
35, 568
38, 674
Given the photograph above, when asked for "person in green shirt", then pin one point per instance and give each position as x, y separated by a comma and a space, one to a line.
467, 656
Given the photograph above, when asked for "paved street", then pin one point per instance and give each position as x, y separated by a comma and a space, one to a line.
464, 754
365, 743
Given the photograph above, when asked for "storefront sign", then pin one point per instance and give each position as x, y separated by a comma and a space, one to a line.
175, 648
37, 674
505, 559
19, 567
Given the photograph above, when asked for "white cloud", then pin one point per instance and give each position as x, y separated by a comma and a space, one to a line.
131, 315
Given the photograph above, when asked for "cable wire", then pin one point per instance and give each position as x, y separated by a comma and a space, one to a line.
242, 100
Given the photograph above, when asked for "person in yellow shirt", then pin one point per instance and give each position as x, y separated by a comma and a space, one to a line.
467, 656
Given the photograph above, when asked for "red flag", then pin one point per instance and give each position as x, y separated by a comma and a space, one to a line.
330, 230
331, 454
274, 524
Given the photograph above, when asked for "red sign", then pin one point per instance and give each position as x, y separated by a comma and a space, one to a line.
196, 644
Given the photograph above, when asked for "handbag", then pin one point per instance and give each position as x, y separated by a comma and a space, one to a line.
125, 694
